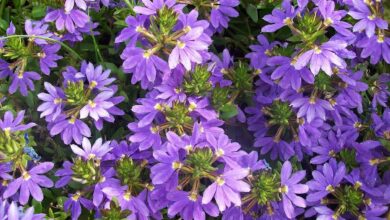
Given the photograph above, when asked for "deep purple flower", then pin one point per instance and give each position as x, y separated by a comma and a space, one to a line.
329, 147
168, 164
23, 81
97, 78
48, 57
30, 183
144, 65
147, 136
287, 74
151, 7
171, 89
220, 14
5, 69
69, 4
126, 200
367, 20
224, 149
70, 129
311, 108
189, 46
67, 20
13, 212
290, 186
322, 57
98, 150
375, 47
53, 102
131, 33
279, 148
220, 68
333, 18
73, 205
98, 107
190, 206
37, 28
279, 17
325, 181
10, 125
227, 188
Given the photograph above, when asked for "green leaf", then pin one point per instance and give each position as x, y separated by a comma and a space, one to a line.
37, 206
38, 11
228, 111
252, 12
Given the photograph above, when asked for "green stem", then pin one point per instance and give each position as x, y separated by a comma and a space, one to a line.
97, 50
45, 38
2, 6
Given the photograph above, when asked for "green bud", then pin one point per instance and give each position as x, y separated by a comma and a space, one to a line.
11, 145
350, 199
130, 173
348, 156
86, 171
280, 113
266, 187
75, 93
15, 48
178, 117
199, 84
201, 161
115, 212
165, 20
242, 79
219, 97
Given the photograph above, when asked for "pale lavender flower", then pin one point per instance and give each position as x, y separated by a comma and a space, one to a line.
97, 151
98, 107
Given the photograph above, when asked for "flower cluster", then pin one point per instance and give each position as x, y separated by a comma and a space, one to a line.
227, 115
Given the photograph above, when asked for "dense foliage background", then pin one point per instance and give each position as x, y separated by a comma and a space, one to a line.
194, 109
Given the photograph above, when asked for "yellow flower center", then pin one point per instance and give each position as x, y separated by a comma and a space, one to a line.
330, 188
57, 100
91, 104
26, 176
287, 21
317, 50
180, 44
127, 196
219, 152
76, 197
93, 84
220, 181
192, 106
177, 165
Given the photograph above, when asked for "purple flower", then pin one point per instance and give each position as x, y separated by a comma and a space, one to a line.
13, 212
98, 107
325, 213
311, 108
30, 182
69, 20
224, 149
279, 18
5, 69
367, 20
98, 150
260, 53
325, 180
222, 11
97, 78
329, 147
375, 47
37, 28
23, 81
290, 186
131, 32
287, 75
168, 164
226, 189
53, 102
190, 206
188, 46
280, 148
220, 68
127, 201
10, 125
333, 18
73, 204
147, 136
65, 174
151, 7
144, 65
69, 4
321, 57
381, 91
48, 57
70, 129
171, 89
